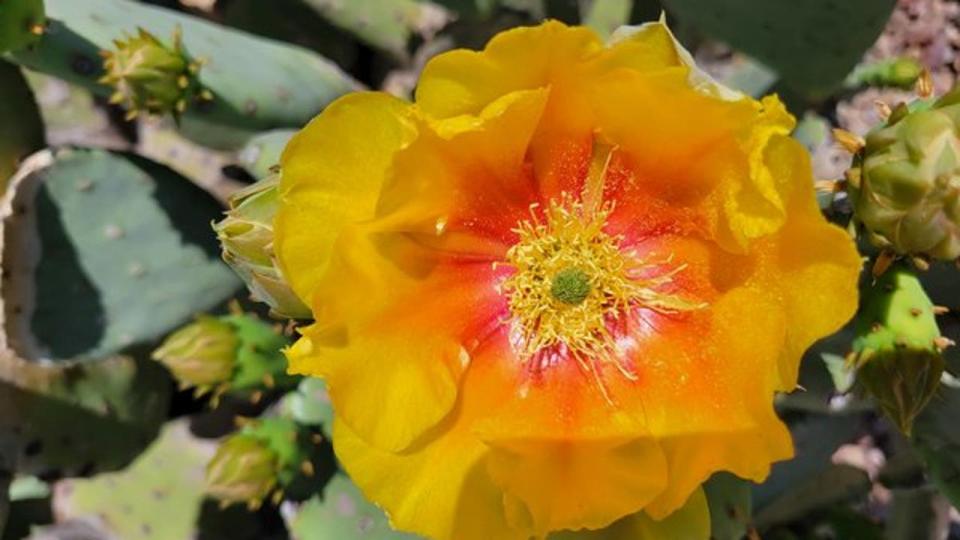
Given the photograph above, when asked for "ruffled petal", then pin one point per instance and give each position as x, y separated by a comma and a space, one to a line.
439, 488
565, 456
390, 333
332, 172
464, 82
690, 522
816, 263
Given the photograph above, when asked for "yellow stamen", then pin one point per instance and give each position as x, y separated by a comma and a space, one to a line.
572, 280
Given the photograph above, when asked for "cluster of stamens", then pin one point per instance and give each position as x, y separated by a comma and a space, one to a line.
572, 282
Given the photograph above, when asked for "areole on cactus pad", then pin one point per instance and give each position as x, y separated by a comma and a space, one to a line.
566, 268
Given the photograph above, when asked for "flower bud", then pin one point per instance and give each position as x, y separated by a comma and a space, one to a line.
149, 76
246, 236
244, 470
900, 72
904, 180
265, 457
897, 351
201, 354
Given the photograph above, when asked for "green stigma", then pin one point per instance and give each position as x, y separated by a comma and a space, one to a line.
570, 286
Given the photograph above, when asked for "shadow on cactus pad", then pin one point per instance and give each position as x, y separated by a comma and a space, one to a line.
105, 252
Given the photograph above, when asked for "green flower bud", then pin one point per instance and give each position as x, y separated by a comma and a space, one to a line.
898, 346
148, 76
236, 353
246, 236
201, 354
244, 470
901, 72
905, 185
263, 458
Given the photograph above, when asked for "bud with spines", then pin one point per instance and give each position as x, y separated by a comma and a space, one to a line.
261, 460
246, 237
237, 353
898, 349
899, 72
905, 182
147, 76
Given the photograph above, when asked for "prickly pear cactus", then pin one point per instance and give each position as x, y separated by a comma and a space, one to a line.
310, 405
811, 44
386, 24
904, 185
898, 347
21, 23
158, 496
21, 132
291, 84
67, 242
938, 442
76, 420
342, 512
262, 152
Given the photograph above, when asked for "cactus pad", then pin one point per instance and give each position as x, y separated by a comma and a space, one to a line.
21, 23
119, 240
158, 497
342, 512
812, 44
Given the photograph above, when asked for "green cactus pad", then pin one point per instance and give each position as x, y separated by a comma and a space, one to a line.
262, 152
78, 419
812, 44
257, 84
310, 405
937, 440
605, 16
385, 24
21, 23
121, 241
158, 497
21, 131
342, 513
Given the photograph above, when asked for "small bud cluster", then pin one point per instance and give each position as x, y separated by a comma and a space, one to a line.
237, 354
246, 235
150, 77
260, 460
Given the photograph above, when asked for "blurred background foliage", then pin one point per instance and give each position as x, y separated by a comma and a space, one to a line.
106, 249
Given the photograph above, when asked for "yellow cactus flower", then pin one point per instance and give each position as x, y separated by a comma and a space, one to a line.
560, 289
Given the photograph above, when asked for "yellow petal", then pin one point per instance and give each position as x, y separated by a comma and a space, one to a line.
332, 172
439, 488
816, 263
389, 340
690, 522
464, 82
570, 484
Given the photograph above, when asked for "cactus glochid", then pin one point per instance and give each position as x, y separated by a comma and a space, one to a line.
150, 77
